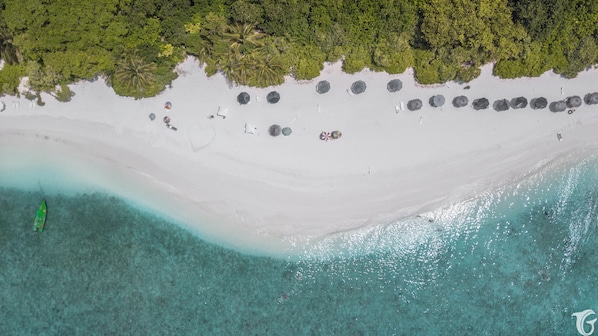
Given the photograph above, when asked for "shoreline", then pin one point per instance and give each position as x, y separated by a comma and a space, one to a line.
274, 195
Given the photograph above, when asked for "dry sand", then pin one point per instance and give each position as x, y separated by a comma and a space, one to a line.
272, 195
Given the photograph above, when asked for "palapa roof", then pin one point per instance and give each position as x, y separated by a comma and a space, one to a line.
480, 104
558, 106
273, 97
437, 100
460, 101
591, 98
243, 98
414, 104
538, 103
358, 87
323, 87
573, 101
519, 102
274, 130
501, 105
394, 85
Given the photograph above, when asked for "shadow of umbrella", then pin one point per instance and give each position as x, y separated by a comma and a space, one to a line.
480, 104
519, 102
323, 87
243, 98
591, 98
538, 103
573, 101
414, 105
358, 87
558, 106
460, 101
436, 101
501, 105
394, 85
273, 97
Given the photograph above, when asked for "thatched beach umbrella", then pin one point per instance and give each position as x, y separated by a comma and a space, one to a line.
436, 101
558, 106
287, 131
538, 103
323, 87
591, 98
358, 87
460, 101
500, 105
414, 105
480, 104
394, 85
243, 98
275, 130
573, 101
519, 102
273, 97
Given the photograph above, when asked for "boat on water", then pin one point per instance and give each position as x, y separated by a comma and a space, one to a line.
40, 217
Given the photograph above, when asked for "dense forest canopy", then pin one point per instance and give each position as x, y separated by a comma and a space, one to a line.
135, 44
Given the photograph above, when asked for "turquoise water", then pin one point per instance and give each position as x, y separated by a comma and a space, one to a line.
515, 261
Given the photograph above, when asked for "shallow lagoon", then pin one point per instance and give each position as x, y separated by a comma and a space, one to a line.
518, 260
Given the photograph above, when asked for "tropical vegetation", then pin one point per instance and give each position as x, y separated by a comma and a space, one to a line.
135, 44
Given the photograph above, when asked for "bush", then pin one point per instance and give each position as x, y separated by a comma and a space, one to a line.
64, 94
428, 70
356, 60
29, 95
468, 74
10, 77
39, 100
306, 62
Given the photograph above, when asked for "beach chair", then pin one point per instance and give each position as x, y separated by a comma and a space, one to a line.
222, 112
250, 129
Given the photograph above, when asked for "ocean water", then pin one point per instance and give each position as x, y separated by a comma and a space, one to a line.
518, 260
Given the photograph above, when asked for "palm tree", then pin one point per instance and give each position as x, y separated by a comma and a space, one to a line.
234, 66
134, 73
268, 69
245, 36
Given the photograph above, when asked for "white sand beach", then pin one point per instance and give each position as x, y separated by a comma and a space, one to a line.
269, 194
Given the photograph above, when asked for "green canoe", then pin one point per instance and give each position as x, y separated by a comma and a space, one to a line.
40, 217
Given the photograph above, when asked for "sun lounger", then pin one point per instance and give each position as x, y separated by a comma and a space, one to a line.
222, 112
250, 129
